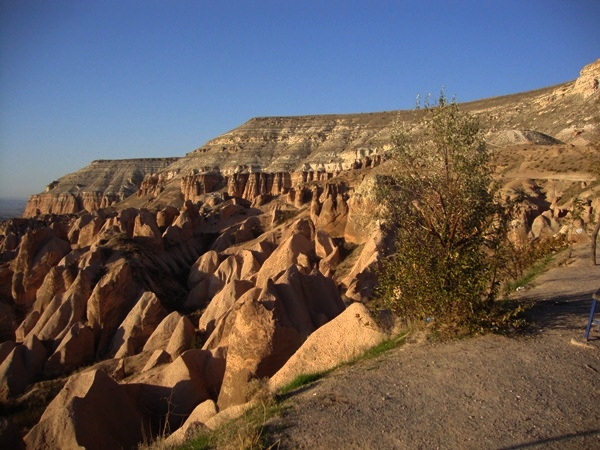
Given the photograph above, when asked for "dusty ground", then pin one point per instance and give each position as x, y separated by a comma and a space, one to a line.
539, 390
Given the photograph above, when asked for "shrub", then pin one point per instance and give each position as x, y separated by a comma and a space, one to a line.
519, 264
442, 205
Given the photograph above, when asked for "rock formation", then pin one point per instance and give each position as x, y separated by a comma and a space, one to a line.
99, 185
181, 281
588, 82
347, 336
92, 411
140, 323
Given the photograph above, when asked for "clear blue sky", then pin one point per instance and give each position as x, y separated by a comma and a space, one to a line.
83, 80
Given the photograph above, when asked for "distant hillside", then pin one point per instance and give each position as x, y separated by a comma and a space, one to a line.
99, 185
279, 155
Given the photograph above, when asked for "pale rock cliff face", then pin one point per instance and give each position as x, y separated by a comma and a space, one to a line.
588, 82
275, 156
271, 156
289, 144
99, 185
153, 183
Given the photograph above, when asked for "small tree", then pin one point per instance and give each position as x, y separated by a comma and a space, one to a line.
442, 205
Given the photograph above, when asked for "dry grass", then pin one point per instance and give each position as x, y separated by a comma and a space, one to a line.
244, 433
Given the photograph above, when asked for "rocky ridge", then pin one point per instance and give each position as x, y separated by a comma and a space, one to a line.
99, 185
280, 155
242, 260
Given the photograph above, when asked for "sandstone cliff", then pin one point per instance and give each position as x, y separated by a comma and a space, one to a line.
272, 156
99, 185
269, 156
281, 155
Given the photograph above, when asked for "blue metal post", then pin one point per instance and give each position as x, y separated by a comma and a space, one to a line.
591, 320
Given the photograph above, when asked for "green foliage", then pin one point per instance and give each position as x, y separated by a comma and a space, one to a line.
577, 209
247, 432
529, 275
383, 347
302, 380
443, 206
519, 264
284, 215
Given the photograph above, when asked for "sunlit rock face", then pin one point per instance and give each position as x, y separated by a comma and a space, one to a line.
273, 156
99, 185
588, 82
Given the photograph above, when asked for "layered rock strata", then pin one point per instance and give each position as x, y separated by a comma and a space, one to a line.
270, 156
99, 185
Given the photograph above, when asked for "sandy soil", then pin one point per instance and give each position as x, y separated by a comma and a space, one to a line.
539, 390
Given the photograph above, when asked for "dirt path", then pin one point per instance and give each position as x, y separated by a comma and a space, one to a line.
492, 392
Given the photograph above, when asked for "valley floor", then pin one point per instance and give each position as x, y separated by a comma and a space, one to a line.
540, 390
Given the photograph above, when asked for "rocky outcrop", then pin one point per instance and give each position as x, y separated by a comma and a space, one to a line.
75, 350
99, 185
273, 156
203, 268
588, 82
195, 185
520, 137
330, 212
171, 392
194, 423
265, 323
146, 227
250, 185
64, 310
295, 250
92, 411
362, 278
277, 319
138, 326
110, 302
39, 251
52, 203
174, 334
182, 338
21, 367
348, 335
222, 302
153, 184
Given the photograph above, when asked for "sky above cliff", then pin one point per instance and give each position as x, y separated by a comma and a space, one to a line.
82, 80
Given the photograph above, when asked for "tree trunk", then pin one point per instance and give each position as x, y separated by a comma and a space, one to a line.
594, 237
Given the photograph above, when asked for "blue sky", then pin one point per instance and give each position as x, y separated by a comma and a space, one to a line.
83, 80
